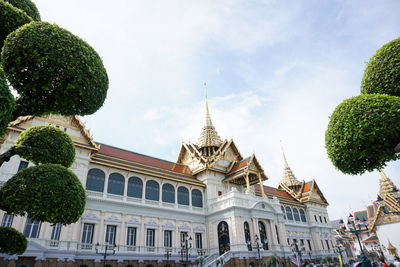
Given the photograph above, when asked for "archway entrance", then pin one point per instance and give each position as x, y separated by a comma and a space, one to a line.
223, 238
263, 235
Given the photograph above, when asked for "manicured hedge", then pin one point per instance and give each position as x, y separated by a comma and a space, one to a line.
12, 241
28, 6
7, 103
11, 18
382, 74
48, 192
53, 71
46, 144
363, 132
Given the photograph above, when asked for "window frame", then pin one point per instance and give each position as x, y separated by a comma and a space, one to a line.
111, 233
131, 233
7, 220
87, 231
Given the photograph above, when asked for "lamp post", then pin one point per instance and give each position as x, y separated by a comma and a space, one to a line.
356, 230
339, 249
298, 251
167, 255
256, 246
109, 249
186, 245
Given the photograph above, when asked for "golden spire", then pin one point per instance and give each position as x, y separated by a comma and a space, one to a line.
288, 177
386, 185
208, 136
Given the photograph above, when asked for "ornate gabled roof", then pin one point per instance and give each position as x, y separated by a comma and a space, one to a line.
244, 167
386, 186
288, 177
209, 136
62, 120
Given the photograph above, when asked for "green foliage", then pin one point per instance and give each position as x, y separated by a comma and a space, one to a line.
46, 144
7, 104
12, 241
11, 18
271, 262
382, 74
28, 6
48, 192
53, 71
363, 132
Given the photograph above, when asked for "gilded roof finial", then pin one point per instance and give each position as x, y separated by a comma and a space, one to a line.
288, 177
386, 185
208, 136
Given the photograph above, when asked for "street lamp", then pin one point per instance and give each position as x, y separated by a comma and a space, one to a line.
186, 245
339, 249
168, 255
256, 246
356, 230
109, 249
298, 251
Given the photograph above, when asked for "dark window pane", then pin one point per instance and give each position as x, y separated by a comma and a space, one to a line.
289, 214
95, 180
87, 234
168, 193
183, 196
116, 183
296, 214
23, 165
135, 187
152, 190
197, 198
303, 216
55, 233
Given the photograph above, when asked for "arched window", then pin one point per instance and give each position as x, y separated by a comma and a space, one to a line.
296, 214
152, 190
197, 198
263, 235
168, 193
289, 214
183, 195
135, 187
223, 237
116, 183
247, 237
284, 213
95, 180
303, 215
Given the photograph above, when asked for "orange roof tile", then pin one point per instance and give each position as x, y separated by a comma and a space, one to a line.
239, 165
274, 191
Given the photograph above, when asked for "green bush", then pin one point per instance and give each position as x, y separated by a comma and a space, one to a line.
271, 262
48, 192
28, 6
11, 18
7, 104
53, 71
12, 241
382, 74
46, 144
363, 132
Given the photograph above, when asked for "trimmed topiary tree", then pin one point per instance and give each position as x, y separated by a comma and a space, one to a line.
12, 241
382, 74
11, 18
28, 6
48, 192
7, 103
46, 144
363, 132
53, 71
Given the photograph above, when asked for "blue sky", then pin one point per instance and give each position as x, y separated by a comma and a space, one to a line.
275, 71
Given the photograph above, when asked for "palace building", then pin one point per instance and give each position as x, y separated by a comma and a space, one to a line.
211, 203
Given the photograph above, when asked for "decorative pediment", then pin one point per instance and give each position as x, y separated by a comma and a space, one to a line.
169, 226
184, 226
152, 223
72, 125
132, 221
90, 218
112, 220
199, 229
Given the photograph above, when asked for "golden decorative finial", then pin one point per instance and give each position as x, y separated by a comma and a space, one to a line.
288, 177
208, 117
285, 163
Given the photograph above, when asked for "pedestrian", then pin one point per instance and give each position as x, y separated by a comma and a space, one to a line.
384, 264
396, 262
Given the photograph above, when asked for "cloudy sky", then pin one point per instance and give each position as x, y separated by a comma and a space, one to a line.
275, 70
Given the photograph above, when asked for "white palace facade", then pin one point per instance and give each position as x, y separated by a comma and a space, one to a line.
212, 201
